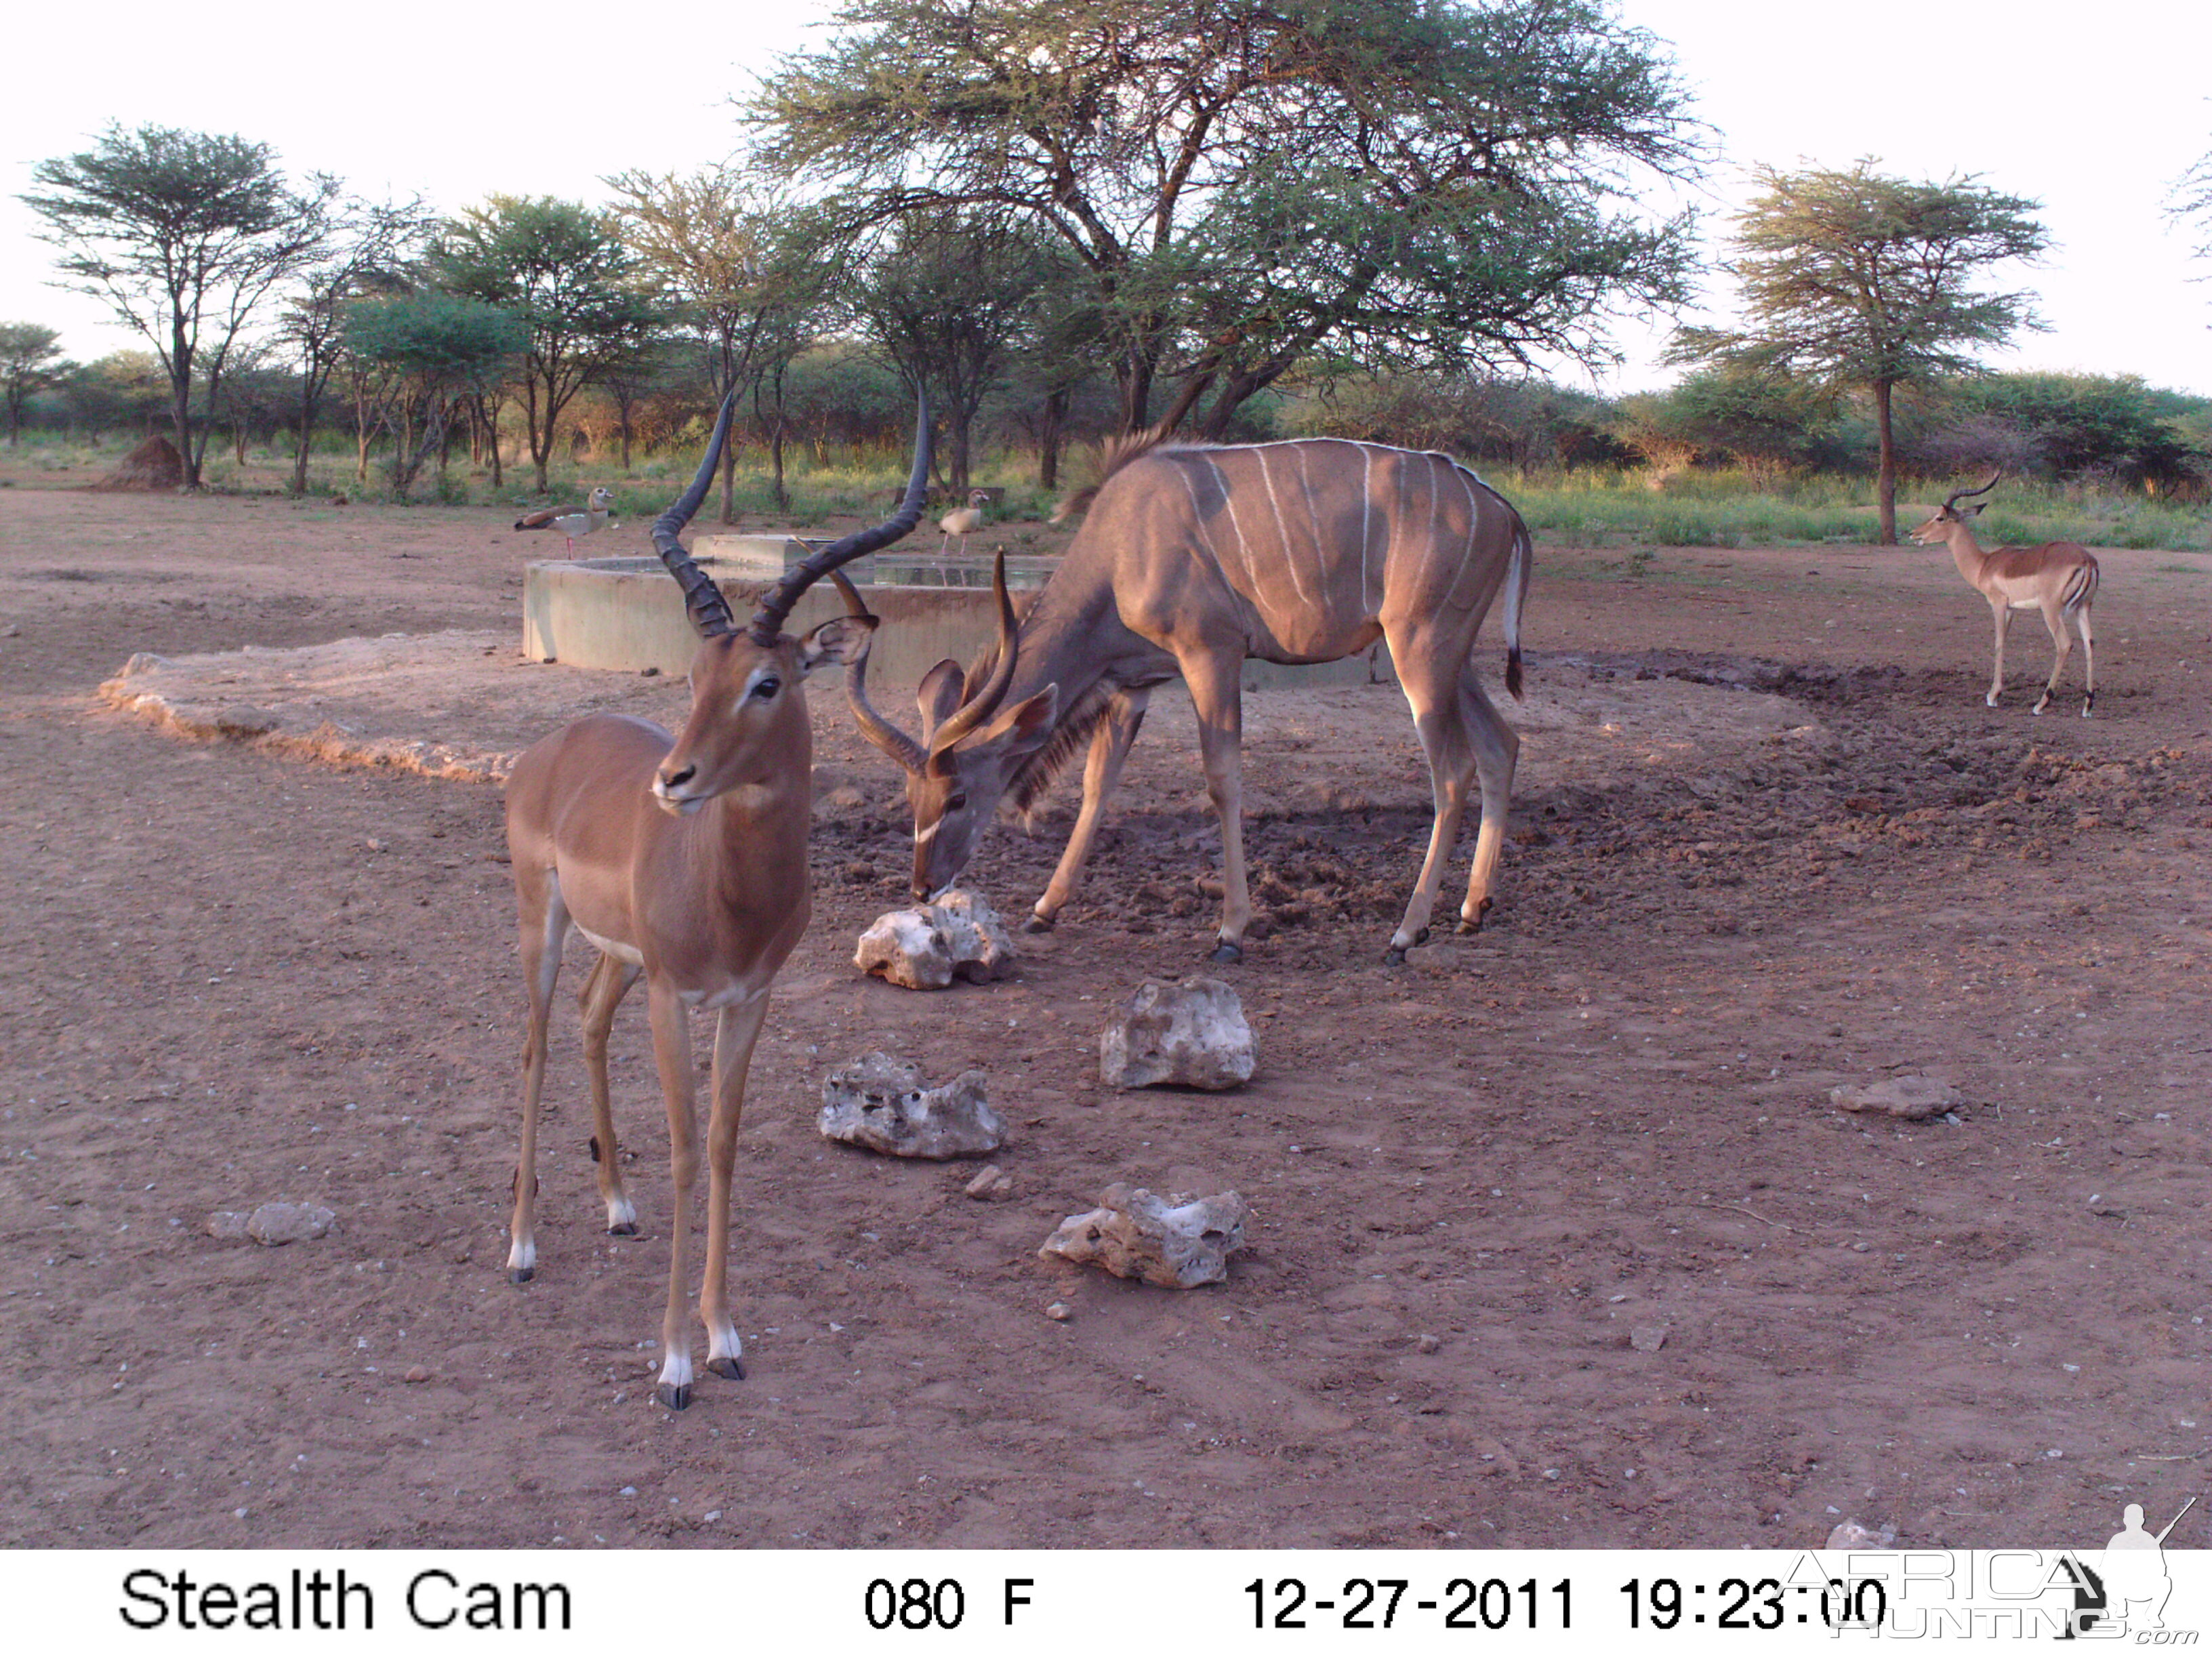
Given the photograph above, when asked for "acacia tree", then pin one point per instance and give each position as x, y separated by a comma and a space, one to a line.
370, 246
434, 348
30, 361
1852, 281
1249, 182
946, 298
184, 235
704, 238
563, 270
2191, 198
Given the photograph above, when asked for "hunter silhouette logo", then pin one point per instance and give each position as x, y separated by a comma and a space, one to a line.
2128, 1590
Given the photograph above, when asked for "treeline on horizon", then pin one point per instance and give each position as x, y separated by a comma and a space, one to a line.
843, 405
1225, 219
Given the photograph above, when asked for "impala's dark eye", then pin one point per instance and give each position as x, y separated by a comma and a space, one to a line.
768, 687
956, 804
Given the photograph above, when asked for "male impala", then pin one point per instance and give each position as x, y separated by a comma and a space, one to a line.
683, 860
1192, 558
2058, 579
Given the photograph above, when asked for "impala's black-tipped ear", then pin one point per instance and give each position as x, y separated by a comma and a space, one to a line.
841, 639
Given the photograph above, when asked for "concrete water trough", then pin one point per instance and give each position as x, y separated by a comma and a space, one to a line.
627, 613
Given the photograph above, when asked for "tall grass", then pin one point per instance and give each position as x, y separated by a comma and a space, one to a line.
1606, 508
1594, 507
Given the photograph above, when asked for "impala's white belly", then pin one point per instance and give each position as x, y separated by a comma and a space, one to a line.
614, 948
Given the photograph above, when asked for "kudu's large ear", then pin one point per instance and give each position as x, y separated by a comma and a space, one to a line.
940, 694
1024, 726
841, 639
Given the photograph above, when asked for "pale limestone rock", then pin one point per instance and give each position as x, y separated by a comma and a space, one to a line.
926, 948
907, 948
289, 1224
982, 948
882, 1103
1650, 1339
1856, 1535
1192, 1035
1909, 1096
1178, 1242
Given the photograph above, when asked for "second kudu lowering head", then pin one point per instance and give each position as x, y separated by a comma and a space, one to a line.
958, 768
741, 675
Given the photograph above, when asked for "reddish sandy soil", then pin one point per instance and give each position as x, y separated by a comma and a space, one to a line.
1768, 841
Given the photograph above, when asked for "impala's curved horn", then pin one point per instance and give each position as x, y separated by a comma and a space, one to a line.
1958, 495
873, 726
768, 621
702, 601
985, 704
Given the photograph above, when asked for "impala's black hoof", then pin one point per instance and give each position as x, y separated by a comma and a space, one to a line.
1225, 951
676, 1399
622, 1230
1394, 957
734, 1370
1421, 937
1466, 926
522, 1275
1038, 924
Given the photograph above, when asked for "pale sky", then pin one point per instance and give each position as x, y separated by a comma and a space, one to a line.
2095, 111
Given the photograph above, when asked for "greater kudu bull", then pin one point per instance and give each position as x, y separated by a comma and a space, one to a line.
1193, 557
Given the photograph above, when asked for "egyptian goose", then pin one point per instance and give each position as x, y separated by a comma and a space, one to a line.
573, 521
963, 521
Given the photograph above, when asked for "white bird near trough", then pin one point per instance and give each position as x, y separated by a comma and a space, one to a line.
963, 521
573, 521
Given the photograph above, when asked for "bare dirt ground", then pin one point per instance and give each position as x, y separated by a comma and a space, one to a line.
1768, 841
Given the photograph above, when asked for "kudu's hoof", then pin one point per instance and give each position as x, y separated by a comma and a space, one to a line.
734, 1370
1225, 951
676, 1398
1036, 924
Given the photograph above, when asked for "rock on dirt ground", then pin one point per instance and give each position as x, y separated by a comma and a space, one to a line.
1767, 841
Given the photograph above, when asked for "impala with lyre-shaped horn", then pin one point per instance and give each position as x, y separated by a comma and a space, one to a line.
684, 860
2059, 579
1191, 558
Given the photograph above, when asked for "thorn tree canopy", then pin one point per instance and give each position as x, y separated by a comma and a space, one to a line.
184, 234
561, 269
1251, 183
1854, 281
30, 361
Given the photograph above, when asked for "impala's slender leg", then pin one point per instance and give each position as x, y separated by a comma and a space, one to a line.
1433, 692
1214, 679
2004, 624
2061, 645
1497, 752
671, 1051
1109, 747
602, 995
736, 1029
544, 925
2088, 662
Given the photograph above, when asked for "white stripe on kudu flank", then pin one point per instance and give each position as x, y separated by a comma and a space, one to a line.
1228, 500
1198, 515
1282, 530
1473, 517
1366, 518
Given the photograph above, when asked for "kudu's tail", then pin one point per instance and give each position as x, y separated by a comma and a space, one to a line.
1516, 597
